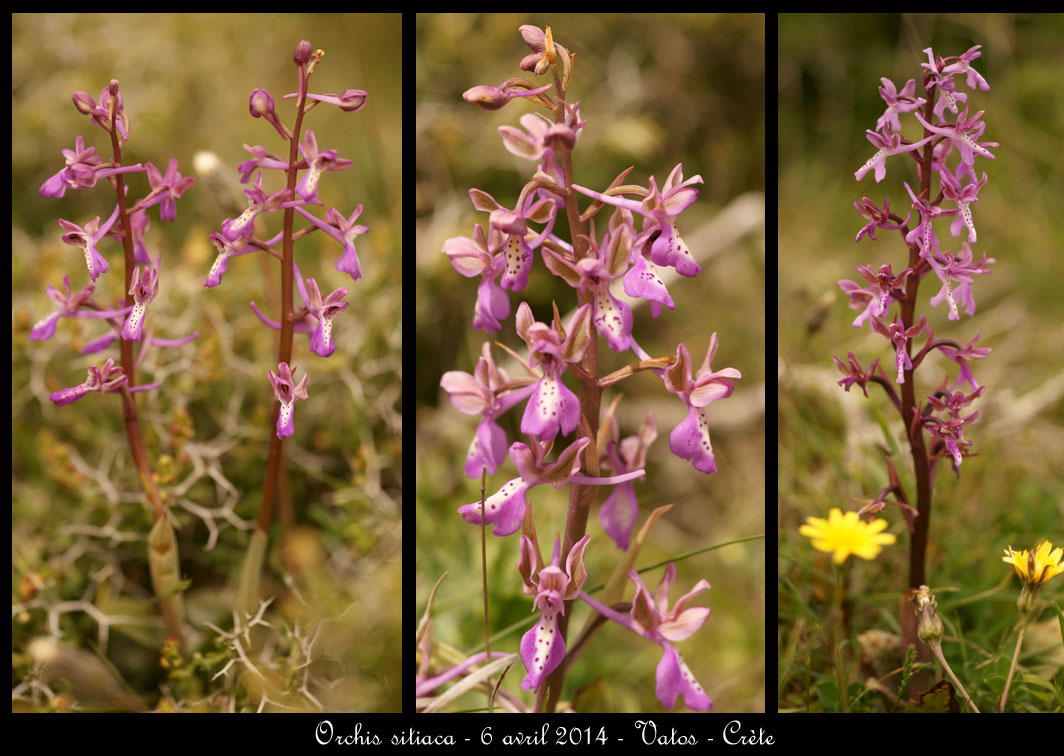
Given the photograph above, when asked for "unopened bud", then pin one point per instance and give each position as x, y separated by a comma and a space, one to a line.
352, 100
84, 103
487, 97
930, 626
261, 103
1028, 603
302, 54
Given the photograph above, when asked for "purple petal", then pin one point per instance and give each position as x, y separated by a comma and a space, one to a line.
690, 440
504, 509
488, 449
552, 406
675, 679
285, 419
669, 249
613, 319
618, 514
542, 650
643, 282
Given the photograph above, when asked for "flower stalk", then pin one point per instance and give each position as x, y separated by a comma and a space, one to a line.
316, 319
935, 427
83, 169
501, 256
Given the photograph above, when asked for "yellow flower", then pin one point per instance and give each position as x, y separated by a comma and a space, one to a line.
1036, 567
847, 534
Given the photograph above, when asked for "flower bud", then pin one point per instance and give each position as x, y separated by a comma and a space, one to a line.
302, 54
352, 100
1028, 603
84, 103
261, 103
930, 626
487, 97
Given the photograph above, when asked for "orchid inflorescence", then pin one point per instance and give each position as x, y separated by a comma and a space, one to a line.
238, 235
948, 150
307, 162
128, 222
82, 169
640, 239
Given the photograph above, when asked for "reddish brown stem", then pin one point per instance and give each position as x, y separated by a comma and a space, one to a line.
580, 497
275, 457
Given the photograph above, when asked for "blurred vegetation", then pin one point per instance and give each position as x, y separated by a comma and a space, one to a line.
831, 442
78, 516
656, 90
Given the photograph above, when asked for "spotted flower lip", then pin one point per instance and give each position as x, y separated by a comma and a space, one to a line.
324, 310
619, 512
243, 226
505, 509
226, 250
963, 134
542, 647
287, 394
166, 187
951, 433
553, 407
486, 393
963, 65
887, 145
963, 196
87, 237
904, 101
106, 380
318, 162
651, 618
660, 209
144, 289
69, 306
513, 225
884, 288
344, 230
924, 233
690, 439
481, 255
79, 171
592, 276
958, 269
899, 336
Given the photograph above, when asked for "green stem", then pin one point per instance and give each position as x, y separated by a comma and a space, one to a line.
837, 630
936, 648
1012, 667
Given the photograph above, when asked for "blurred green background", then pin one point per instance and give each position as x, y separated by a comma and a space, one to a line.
78, 518
830, 442
656, 90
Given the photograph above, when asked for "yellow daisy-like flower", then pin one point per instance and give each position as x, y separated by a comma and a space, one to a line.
1036, 567
847, 534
